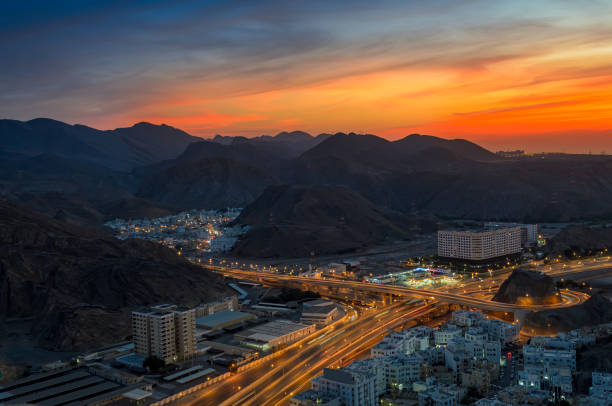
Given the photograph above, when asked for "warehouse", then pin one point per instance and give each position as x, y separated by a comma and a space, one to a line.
274, 334
222, 319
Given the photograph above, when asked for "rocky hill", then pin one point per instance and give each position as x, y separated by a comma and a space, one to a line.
297, 220
527, 287
120, 149
75, 282
596, 310
581, 240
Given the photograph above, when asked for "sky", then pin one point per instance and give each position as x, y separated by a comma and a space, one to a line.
534, 75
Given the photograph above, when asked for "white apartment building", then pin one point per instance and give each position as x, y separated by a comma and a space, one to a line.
165, 332
602, 384
547, 360
446, 334
501, 331
467, 318
353, 388
376, 368
401, 371
545, 367
479, 245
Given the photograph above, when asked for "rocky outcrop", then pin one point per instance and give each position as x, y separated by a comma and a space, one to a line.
596, 310
527, 287
79, 285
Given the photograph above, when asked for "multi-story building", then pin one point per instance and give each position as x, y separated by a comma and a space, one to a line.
164, 331
501, 331
529, 232
441, 395
444, 335
313, 398
547, 368
479, 246
601, 384
467, 318
228, 303
352, 387
376, 368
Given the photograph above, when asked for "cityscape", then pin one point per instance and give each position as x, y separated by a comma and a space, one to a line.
235, 203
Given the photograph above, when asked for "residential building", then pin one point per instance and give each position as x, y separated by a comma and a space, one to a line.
165, 331
352, 387
467, 318
601, 384
444, 335
501, 331
313, 398
479, 245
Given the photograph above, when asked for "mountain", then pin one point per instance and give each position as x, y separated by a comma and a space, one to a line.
295, 220
119, 149
284, 145
73, 280
527, 287
210, 175
580, 240
416, 143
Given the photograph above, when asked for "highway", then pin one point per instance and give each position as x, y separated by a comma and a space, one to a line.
274, 381
273, 278
290, 370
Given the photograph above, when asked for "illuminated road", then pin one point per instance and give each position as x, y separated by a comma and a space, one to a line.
268, 383
291, 370
272, 278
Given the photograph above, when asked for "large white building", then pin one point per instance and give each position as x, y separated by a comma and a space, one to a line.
352, 387
165, 332
546, 367
529, 232
479, 245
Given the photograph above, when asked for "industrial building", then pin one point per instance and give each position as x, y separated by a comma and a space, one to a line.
165, 331
222, 319
80, 386
228, 303
274, 334
319, 312
479, 246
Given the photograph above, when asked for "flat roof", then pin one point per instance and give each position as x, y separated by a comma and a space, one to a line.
274, 329
59, 390
226, 317
183, 372
80, 394
42, 385
197, 375
137, 394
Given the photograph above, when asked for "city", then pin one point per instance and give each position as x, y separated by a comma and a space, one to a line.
347, 203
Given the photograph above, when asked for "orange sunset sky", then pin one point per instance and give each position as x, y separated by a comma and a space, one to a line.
520, 74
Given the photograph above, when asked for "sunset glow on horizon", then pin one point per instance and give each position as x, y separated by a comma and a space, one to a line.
505, 75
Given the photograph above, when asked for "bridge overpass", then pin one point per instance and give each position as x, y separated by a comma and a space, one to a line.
304, 283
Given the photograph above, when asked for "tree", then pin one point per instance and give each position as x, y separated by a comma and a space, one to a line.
153, 363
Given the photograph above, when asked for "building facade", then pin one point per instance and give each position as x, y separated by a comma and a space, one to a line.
479, 245
165, 332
